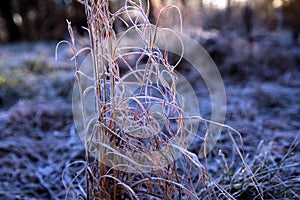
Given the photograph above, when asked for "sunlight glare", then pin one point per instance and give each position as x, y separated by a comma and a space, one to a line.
277, 3
220, 4
17, 18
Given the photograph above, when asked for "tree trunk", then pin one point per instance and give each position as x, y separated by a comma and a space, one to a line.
12, 29
228, 10
201, 3
152, 17
184, 3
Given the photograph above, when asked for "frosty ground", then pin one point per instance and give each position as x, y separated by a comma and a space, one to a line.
38, 138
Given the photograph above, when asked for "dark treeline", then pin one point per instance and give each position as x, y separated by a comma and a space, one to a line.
35, 19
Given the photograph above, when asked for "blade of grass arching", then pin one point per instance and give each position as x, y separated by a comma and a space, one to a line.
80, 52
252, 177
68, 186
122, 184
167, 8
84, 75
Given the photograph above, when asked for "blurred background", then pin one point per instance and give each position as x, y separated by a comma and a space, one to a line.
254, 43
33, 19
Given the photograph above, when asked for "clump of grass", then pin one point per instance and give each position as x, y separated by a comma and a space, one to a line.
125, 146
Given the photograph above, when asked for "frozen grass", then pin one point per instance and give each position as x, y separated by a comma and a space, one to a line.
38, 140
126, 178
102, 176
31, 167
112, 174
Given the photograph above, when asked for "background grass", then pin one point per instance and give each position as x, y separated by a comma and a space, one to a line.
38, 139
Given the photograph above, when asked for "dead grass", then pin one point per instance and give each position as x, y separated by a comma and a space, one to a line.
38, 142
119, 176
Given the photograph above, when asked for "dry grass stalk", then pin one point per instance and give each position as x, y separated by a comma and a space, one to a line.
111, 169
